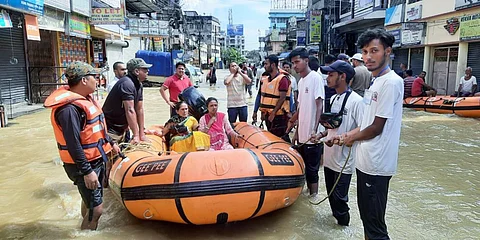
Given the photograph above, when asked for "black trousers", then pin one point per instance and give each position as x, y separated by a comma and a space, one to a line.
278, 126
372, 192
339, 198
311, 154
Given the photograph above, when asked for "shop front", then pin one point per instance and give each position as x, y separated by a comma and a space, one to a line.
445, 60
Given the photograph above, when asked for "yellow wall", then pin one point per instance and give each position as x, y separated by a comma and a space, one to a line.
434, 7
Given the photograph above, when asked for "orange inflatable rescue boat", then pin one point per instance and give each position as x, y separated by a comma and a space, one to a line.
461, 106
263, 174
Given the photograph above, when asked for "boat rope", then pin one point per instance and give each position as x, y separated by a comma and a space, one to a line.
336, 181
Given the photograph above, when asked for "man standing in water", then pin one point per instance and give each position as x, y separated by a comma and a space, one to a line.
236, 102
349, 107
311, 93
378, 136
81, 136
175, 85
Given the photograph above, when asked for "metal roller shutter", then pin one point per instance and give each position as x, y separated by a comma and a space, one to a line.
416, 60
401, 56
13, 77
473, 59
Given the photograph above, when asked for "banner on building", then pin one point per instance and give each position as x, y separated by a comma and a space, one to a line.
394, 15
63, 5
147, 27
470, 27
413, 33
82, 7
235, 29
461, 4
275, 35
33, 32
78, 26
52, 20
301, 38
315, 26
113, 3
414, 13
108, 15
5, 21
398, 39
30, 6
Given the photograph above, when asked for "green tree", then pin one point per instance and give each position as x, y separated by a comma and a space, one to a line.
232, 55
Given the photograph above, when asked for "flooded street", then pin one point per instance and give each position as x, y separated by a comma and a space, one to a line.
435, 194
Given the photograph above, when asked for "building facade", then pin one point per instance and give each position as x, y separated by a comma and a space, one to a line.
204, 29
441, 39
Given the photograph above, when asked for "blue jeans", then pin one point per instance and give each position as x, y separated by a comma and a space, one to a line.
241, 112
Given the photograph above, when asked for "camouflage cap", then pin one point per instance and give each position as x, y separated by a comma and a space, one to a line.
135, 63
79, 69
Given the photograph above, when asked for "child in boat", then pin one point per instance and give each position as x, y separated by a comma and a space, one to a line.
216, 125
184, 136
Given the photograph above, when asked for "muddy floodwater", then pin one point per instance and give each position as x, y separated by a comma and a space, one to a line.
435, 194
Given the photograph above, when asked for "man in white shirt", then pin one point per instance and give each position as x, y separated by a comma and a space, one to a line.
468, 84
236, 102
260, 72
378, 136
346, 115
120, 70
311, 94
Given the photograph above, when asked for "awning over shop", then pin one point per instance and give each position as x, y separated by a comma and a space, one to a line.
102, 33
141, 6
361, 23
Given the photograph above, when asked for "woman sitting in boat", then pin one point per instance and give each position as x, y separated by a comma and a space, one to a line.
217, 126
183, 133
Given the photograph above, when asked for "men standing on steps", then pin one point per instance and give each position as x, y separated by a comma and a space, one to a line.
361, 80
236, 102
123, 107
82, 140
275, 99
378, 136
311, 94
346, 115
175, 85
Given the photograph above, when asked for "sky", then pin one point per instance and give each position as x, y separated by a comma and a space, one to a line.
253, 14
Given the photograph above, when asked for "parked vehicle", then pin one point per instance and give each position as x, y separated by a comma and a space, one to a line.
192, 74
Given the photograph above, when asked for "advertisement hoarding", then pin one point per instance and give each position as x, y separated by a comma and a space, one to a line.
235, 29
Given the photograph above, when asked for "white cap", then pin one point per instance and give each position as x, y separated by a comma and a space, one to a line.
357, 56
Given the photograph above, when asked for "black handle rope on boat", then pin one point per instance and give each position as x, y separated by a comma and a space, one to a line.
336, 181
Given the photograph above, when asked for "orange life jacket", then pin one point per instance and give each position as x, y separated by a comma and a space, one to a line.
270, 95
93, 137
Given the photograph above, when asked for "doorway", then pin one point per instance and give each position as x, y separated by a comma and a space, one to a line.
445, 69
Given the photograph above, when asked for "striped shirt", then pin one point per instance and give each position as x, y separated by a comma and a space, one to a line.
236, 92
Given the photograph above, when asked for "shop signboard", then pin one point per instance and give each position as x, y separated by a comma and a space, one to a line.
78, 26
461, 4
63, 5
108, 15
470, 27
146, 27
29, 6
52, 20
81, 7
398, 37
301, 38
413, 33
315, 26
414, 13
112, 3
394, 15
31, 23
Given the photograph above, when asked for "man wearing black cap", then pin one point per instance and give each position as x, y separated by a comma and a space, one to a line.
123, 107
347, 106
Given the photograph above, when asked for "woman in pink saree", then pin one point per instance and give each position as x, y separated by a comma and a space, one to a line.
216, 125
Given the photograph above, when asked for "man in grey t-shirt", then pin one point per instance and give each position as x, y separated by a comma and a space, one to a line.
362, 78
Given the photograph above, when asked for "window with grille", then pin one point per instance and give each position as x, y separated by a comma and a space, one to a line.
345, 6
413, 1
